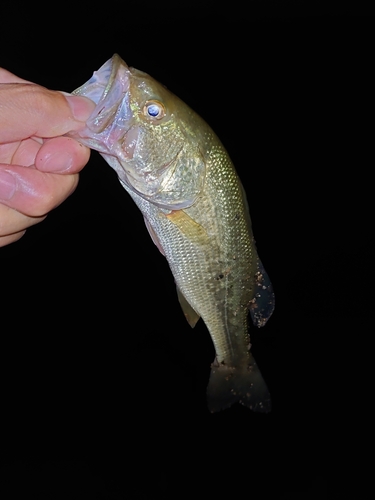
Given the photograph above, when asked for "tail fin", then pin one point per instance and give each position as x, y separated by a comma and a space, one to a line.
243, 384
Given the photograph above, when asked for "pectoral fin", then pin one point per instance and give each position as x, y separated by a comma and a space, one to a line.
188, 226
190, 314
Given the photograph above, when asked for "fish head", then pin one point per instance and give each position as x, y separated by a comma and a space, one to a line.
145, 133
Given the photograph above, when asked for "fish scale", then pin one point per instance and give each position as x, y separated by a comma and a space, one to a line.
196, 212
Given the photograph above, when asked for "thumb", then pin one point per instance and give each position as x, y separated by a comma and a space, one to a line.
29, 110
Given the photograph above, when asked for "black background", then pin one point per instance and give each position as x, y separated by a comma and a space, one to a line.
103, 381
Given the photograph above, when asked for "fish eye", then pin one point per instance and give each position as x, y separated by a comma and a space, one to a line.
154, 110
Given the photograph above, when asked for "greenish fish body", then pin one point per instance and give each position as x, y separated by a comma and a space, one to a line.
183, 181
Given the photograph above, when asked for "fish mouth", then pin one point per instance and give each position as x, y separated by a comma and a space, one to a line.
109, 123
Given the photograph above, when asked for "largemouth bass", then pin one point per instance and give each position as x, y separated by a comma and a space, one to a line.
183, 181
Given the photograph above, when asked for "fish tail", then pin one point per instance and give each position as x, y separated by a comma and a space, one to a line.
243, 384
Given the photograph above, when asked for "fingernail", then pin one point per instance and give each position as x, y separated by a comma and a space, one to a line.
81, 107
57, 162
7, 185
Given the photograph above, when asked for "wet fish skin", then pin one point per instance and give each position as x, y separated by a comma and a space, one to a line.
181, 177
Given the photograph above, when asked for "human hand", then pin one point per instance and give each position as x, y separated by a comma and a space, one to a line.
38, 166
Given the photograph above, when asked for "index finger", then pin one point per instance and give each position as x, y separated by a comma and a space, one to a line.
8, 77
30, 110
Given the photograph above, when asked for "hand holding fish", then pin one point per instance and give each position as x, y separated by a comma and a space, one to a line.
38, 166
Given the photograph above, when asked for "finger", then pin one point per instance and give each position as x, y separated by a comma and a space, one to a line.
62, 155
12, 238
13, 222
8, 77
57, 155
31, 110
32, 192
20, 152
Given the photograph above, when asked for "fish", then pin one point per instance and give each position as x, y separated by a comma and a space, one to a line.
182, 179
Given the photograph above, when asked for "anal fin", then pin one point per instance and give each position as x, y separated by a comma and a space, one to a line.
190, 314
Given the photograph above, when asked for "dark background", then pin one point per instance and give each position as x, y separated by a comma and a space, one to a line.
103, 381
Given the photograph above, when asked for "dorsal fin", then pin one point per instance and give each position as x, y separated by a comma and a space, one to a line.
263, 304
